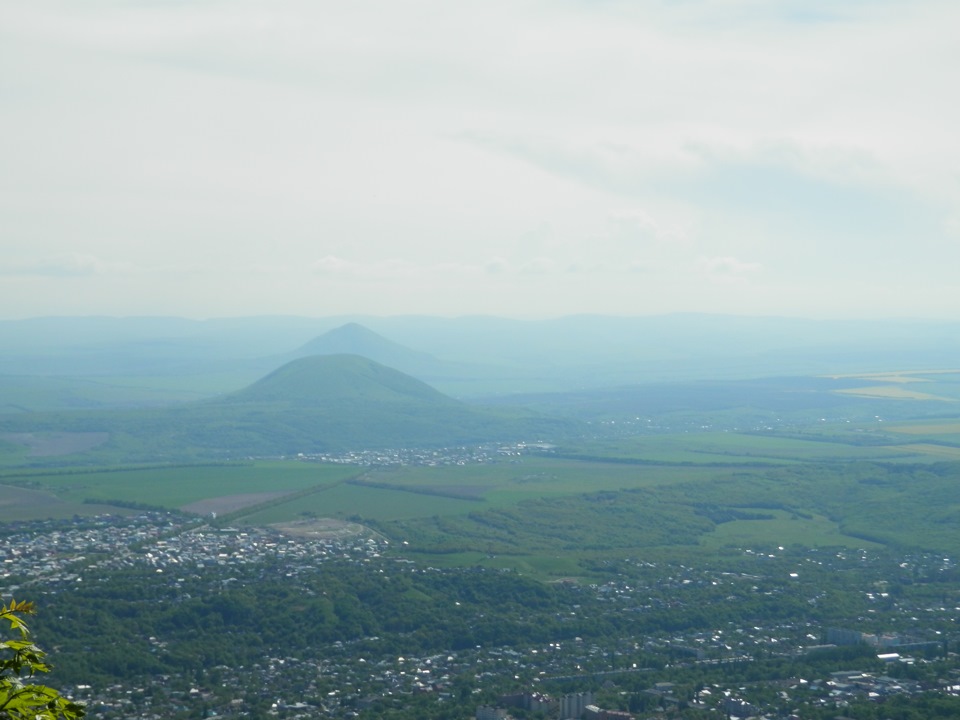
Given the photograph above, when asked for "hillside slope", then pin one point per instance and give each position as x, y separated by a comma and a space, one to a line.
337, 378
318, 404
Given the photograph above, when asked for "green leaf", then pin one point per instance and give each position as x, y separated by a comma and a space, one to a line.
28, 702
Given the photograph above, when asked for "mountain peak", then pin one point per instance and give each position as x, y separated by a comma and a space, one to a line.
356, 339
320, 379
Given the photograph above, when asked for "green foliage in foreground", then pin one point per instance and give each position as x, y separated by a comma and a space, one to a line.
20, 660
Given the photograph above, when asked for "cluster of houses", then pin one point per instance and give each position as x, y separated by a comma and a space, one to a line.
572, 706
344, 680
52, 551
55, 553
439, 457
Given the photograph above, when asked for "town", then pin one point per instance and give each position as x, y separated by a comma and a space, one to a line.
892, 632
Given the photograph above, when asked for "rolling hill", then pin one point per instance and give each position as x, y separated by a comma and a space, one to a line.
344, 402
317, 404
459, 377
90, 362
320, 379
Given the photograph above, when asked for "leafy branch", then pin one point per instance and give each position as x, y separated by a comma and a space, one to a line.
20, 659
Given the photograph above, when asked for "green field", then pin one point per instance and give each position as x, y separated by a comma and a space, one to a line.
722, 447
17, 503
783, 529
941, 452
929, 428
347, 500
553, 513
530, 477
172, 487
940, 386
39, 393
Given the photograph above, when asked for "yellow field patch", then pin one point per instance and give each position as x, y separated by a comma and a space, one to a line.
901, 378
896, 376
892, 375
895, 380
891, 392
929, 449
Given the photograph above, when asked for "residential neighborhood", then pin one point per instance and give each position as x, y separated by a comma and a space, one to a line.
348, 679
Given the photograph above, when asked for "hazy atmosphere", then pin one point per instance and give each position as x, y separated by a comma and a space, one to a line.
500, 360
528, 159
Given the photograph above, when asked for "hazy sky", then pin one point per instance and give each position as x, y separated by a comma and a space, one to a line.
242, 157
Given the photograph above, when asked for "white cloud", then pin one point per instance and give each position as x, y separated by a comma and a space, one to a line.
334, 265
727, 267
65, 265
455, 146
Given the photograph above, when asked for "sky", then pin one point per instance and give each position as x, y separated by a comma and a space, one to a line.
522, 158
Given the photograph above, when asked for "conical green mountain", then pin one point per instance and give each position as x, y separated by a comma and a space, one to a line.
319, 404
321, 379
347, 402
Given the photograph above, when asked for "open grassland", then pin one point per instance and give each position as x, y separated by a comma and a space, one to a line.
903, 376
174, 487
936, 433
942, 438
18, 504
453, 496
55, 444
943, 385
920, 441
177, 388
783, 528
12, 454
349, 500
927, 428
549, 515
733, 448
645, 461
528, 477
941, 452
892, 392
849, 504
29, 393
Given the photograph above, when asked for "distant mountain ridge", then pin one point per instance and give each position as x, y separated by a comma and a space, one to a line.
144, 361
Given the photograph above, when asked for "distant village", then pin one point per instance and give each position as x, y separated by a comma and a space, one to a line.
440, 457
